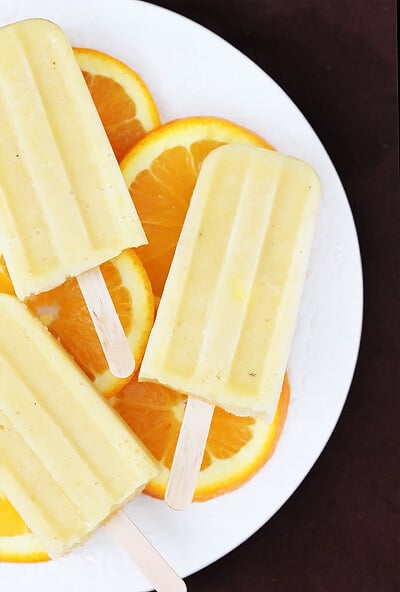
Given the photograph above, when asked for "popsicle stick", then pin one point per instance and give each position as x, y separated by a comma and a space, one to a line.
189, 453
144, 555
106, 322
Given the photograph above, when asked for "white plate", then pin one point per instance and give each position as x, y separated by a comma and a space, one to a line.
191, 71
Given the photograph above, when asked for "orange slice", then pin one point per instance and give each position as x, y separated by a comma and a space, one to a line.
161, 171
6, 286
17, 543
64, 312
124, 103
237, 447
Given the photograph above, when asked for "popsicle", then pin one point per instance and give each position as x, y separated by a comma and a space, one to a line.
227, 315
64, 206
67, 460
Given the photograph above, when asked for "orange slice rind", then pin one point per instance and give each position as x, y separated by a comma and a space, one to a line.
124, 103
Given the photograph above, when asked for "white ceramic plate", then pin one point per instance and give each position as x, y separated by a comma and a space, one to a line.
191, 71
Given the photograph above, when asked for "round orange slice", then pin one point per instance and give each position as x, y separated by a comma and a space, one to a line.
237, 447
125, 105
161, 171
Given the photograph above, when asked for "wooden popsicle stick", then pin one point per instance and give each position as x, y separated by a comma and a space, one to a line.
189, 453
106, 322
144, 555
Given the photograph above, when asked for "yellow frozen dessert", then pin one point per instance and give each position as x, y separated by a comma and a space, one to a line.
67, 460
64, 207
227, 314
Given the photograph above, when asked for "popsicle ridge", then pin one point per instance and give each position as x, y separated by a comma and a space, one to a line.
15, 180
56, 515
277, 287
31, 118
188, 337
219, 348
67, 138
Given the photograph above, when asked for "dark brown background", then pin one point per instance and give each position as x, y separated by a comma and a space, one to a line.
337, 60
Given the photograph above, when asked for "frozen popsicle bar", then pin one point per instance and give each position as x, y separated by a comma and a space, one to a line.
66, 458
227, 315
64, 206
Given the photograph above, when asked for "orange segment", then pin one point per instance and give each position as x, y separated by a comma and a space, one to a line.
64, 312
237, 447
161, 171
10, 520
17, 544
124, 103
6, 286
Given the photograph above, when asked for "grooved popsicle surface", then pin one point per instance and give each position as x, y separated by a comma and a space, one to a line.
64, 207
227, 315
66, 458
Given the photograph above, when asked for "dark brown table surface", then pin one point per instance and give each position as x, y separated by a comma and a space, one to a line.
339, 532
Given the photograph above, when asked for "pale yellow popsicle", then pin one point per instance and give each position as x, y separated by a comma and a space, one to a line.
67, 460
64, 206
227, 315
